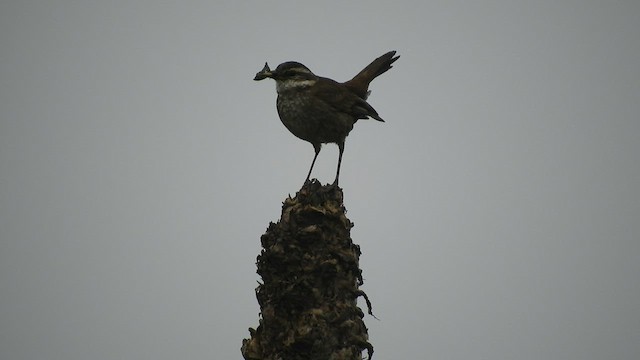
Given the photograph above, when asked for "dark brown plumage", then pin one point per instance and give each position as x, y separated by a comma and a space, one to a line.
320, 110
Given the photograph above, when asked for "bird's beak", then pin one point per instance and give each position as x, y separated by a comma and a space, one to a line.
264, 73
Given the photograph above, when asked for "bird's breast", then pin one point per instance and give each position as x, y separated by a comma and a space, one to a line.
312, 119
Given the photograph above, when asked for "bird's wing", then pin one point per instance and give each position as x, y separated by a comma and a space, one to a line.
343, 99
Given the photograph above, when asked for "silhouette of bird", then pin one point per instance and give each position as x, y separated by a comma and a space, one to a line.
320, 110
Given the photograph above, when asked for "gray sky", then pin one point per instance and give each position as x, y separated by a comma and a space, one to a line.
498, 208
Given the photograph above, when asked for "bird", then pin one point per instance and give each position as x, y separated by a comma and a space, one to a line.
321, 110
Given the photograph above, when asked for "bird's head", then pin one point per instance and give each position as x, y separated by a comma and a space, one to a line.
288, 75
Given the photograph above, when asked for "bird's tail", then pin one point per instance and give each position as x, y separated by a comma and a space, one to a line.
360, 83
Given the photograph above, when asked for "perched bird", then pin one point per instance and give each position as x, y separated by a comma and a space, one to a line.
320, 110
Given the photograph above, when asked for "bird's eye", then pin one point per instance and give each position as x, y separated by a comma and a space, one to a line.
290, 73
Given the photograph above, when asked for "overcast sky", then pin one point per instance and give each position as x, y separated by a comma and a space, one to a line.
497, 208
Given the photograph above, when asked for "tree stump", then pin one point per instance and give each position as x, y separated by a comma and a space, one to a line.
310, 283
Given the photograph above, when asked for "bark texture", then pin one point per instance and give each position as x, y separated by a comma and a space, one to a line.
310, 273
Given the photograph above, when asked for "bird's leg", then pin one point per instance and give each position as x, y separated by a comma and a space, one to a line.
316, 148
340, 151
